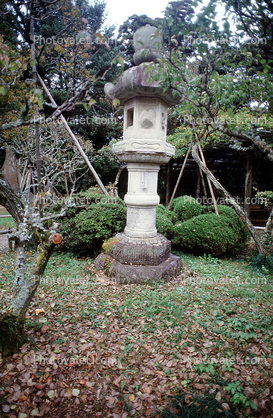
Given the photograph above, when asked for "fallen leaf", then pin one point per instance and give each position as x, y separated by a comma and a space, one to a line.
218, 396
132, 398
5, 408
199, 386
83, 398
44, 328
51, 393
148, 389
82, 382
226, 406
68, 392
75, 392
38, 311
49, 380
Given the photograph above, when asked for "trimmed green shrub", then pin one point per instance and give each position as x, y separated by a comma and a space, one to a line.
238, 224
161, 209
164, 225
210, 234
173, 216
182, 199
186, 207
86, 230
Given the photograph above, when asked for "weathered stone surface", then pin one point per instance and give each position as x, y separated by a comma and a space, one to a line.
123, 274
147, 44
136, 82
140, 254
149, 251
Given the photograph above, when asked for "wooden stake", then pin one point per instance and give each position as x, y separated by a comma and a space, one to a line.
76, 142
209, 182
180, 175
204, 188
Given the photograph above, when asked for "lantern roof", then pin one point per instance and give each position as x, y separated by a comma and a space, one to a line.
136, 81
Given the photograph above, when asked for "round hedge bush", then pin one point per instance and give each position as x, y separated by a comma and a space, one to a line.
164, 225
164, 221
210, 234
186, 207
238, 224
182, 199
85, 231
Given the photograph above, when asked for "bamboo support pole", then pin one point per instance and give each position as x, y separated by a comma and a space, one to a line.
76, 142
209, 182
180, 175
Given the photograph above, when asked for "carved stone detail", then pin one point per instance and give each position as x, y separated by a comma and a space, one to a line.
147, 119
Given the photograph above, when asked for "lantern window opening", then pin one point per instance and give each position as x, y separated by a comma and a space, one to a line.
130, 117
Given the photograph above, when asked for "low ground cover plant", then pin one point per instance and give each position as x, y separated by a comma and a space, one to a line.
95, 346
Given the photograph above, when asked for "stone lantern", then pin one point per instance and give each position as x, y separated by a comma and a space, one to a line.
140, 254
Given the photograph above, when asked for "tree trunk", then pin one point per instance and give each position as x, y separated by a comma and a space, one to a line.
9, 170
248, 183
268, 239
229, 199
37, 125
12, 334
11, 202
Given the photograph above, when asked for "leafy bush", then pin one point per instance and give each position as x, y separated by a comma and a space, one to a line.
262, 263
186, 207
161, 209
210, 234
164, 225
182, 199
84, 231
238, 224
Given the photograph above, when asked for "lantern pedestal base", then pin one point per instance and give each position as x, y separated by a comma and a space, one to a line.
138, 251
124, 273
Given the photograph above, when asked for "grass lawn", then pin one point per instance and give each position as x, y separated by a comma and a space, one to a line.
6, 223
98, 349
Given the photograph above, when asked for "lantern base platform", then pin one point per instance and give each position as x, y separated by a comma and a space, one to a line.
124, 273
138, 251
